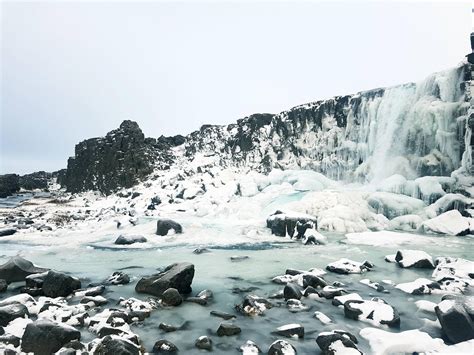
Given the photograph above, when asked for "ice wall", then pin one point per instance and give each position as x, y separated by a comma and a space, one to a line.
412, 129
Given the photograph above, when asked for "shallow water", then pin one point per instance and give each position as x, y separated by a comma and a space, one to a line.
93, 262
16, 199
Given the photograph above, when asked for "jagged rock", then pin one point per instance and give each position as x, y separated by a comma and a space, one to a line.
164, 226
17, 268
12, 311
455, 321
291, 291
9, 184
46, 337
228, 329
117, 278
36, 180
113, 345
204, 343
119, 160
58, 284
171, 297
130, 239
281, 347
164, 347
291, 330
7, 231
178, 276
337, 342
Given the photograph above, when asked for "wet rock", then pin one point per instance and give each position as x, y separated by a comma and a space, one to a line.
171, 297
7, 231
204, 343
310, 291
222, 315
313, 281
197, 300
375, 311
96, 300
113, 345
253, 305
168, 327
281, 347
94, 291
337, 342
250, 348
164, 347
201, 251
330, 292
455, 321
46, 337
239, 258
164, 226
3, 285
296, 306
178, 276
290, 331
414, 258
35, 280
17, 268
291, 291
12, 311
58, 284
117, 278
205, 294
130, 239
345, 266
228, 329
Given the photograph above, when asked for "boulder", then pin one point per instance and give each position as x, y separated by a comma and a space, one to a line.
455, 321
46, 337
291, 224
281, 347
164, 226
164, 347
171, 297
451, 223
12, 311
117, 278
375, 311
203, 343
253, 305
292, 291
337, 342
17, 268
7, 231
250, 348
58, 284
178, 276
414, 258
168, 327
130, 239
114, 345
313, 281
290, 331
228, 329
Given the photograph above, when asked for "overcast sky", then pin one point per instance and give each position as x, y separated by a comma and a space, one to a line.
72, 71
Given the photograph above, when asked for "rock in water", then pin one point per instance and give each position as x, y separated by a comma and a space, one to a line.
375, 311
414, 258
204, 343
178, 276
130, 239
282, 224
164, 347
291, 291
11, 312
58, 284
113, 345
17, 268
163, 226
9, 184
3, 285
7, 231
171, 297
117, 278
291, 330
337, 342
281, 347
46, 337
455, 321
227, 329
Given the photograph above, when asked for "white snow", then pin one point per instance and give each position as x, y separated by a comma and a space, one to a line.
451, 222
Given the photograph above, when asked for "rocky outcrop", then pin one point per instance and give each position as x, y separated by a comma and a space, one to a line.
38, 180
9, 184
119, 160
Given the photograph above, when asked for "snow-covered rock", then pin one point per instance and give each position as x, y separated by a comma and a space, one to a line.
451, 222
407, 258
346, 266
375, 311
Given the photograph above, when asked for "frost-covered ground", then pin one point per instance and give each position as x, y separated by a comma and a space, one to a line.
225, 211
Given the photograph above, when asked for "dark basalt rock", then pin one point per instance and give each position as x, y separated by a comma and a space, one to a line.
3, 285
116, 346
58, 284
119, 160
171, 297
11, 312
455, 321
313, 281
168, 327
38, 180
292, 291
46, 337
178, 276
163, 226
203, 343
130, 239
9, 184
164, 347
291, 330
228, 329
7, 231
282, 224
17, 268
325, 340
280, 347
222, 315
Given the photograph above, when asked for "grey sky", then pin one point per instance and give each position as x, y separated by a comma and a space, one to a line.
72, 71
